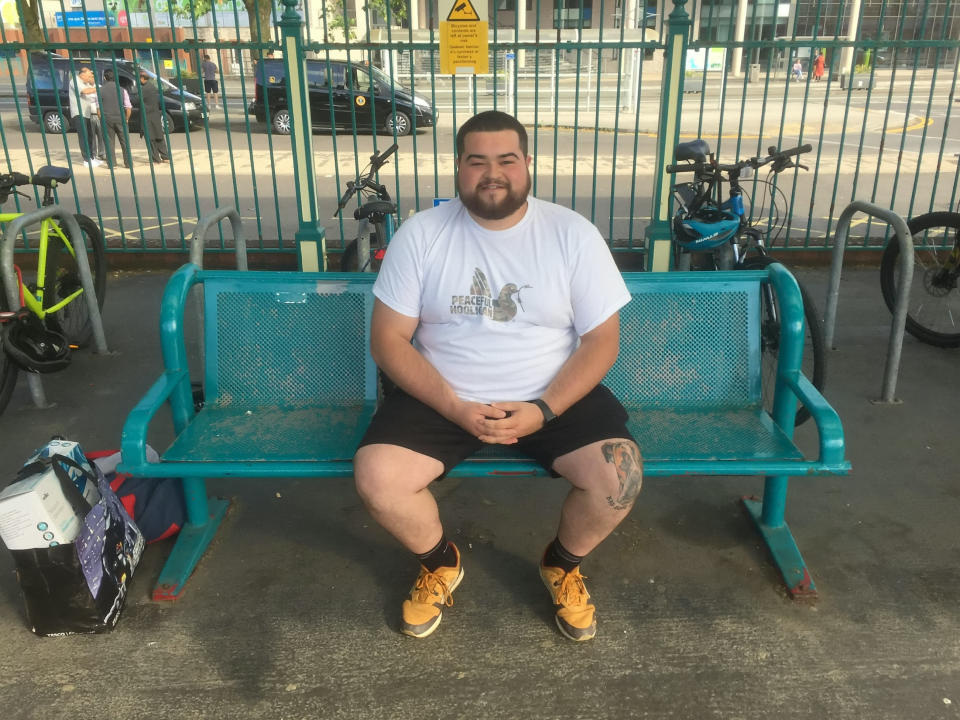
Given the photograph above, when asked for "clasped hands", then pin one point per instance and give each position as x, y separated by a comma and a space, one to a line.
500, 423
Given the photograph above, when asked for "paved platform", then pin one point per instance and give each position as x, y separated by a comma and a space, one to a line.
293, 613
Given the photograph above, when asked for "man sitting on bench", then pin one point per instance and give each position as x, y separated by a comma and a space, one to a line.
511, 304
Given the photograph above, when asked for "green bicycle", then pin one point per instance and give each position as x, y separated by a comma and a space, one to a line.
55, 293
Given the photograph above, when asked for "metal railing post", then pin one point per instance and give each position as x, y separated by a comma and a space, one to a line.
657, 233
72, 229
905, 280
311, 243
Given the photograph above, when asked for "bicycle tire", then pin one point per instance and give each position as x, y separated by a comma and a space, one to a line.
73, 320
8, 371
933, 309
814, 350
349, 260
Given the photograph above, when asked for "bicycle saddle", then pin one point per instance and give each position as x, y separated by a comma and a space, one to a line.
696, 150
49, 174
374, 207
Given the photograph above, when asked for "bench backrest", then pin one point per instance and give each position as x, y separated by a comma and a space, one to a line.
689, 340
297, 339
288, 339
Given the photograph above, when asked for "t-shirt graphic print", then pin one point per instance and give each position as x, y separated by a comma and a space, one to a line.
481, 300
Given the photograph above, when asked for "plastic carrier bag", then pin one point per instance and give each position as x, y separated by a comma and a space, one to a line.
79, 586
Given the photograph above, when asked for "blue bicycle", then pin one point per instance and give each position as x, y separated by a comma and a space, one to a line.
713, 233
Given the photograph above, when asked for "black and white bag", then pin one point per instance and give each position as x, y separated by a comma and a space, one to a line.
80, 587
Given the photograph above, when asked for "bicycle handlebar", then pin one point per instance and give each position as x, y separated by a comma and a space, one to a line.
774, 156
13, 179
353, 186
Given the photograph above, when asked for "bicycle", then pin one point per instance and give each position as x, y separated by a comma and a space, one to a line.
376, 216
55, 294
711, 233
933, 309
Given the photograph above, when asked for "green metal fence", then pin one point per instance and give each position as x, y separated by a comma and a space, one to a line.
590, 90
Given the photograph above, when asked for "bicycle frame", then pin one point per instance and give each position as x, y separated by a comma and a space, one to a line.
34, 301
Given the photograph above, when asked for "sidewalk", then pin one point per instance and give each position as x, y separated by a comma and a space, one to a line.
293, 611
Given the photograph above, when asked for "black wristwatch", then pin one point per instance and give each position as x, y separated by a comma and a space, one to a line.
548, 414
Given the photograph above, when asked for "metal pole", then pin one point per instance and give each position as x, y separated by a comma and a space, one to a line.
71, 228
895, 344
203, 227
311, 243
657, 233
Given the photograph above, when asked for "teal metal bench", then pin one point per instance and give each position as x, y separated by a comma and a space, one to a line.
290, 388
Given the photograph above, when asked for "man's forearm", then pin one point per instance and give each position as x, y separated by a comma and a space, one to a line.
584, 370
411, 372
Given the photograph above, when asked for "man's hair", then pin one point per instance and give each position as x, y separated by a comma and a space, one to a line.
491, 121
108, 75
206, 57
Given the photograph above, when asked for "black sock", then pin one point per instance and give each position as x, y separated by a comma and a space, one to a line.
558, 556
442, 555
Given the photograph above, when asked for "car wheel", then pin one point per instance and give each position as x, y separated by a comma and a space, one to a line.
399, 123
52, 122
169, 126
281, 122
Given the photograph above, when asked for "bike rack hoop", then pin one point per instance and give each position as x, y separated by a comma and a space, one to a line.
905, 280
203, 227
11, 285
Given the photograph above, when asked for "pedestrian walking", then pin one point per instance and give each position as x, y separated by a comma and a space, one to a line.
81, 88
818, 64
115, 109
210, 85
151, 122
797, 70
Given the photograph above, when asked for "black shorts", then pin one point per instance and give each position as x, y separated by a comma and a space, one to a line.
211, 86
405, 421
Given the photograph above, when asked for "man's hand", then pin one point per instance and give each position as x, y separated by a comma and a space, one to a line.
518, 420
476, 418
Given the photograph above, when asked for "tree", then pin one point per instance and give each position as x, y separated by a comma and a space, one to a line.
336, 17
258, 14
30, 20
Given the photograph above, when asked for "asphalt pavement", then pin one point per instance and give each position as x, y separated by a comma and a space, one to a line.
293, 612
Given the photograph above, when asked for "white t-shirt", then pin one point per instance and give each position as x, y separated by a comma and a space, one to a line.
500, 311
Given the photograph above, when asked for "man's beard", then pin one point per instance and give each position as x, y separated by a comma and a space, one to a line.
480, 205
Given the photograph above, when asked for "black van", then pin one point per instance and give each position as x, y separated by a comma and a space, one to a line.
50, 76
351, 92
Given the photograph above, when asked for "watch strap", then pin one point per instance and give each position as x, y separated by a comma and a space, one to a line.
548, 414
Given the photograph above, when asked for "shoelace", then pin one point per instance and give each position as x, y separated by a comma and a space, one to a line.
572, 592
430, 585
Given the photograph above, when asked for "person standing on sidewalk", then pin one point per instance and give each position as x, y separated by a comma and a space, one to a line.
486, 368
210, 84
151, 122
818, 64
81, 88
115, 109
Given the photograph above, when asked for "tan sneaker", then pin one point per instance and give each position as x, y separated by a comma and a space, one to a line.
423, 610
575, 615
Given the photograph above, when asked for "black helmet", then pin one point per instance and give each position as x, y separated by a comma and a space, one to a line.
32, 347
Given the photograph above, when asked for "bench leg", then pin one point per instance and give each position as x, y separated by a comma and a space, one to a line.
768, 517
203, 518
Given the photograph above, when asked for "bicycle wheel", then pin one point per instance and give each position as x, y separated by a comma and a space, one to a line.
73, 320
814, 354
8, 371
933, 309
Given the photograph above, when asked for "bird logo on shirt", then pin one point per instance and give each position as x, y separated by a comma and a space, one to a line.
481, 300
504, 308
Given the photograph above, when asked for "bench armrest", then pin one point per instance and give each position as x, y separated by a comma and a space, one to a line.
829, 427
133, 440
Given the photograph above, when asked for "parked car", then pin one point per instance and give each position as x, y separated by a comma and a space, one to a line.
50, 76
353, 94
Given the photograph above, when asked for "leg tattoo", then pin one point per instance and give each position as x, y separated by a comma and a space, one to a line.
629, 465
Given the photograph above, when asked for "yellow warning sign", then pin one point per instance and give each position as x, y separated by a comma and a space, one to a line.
463, 10
464, 41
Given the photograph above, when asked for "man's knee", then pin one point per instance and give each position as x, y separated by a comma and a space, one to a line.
383, 473
627, 462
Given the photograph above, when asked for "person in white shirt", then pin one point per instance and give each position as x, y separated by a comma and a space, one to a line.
496, 316
81, 89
